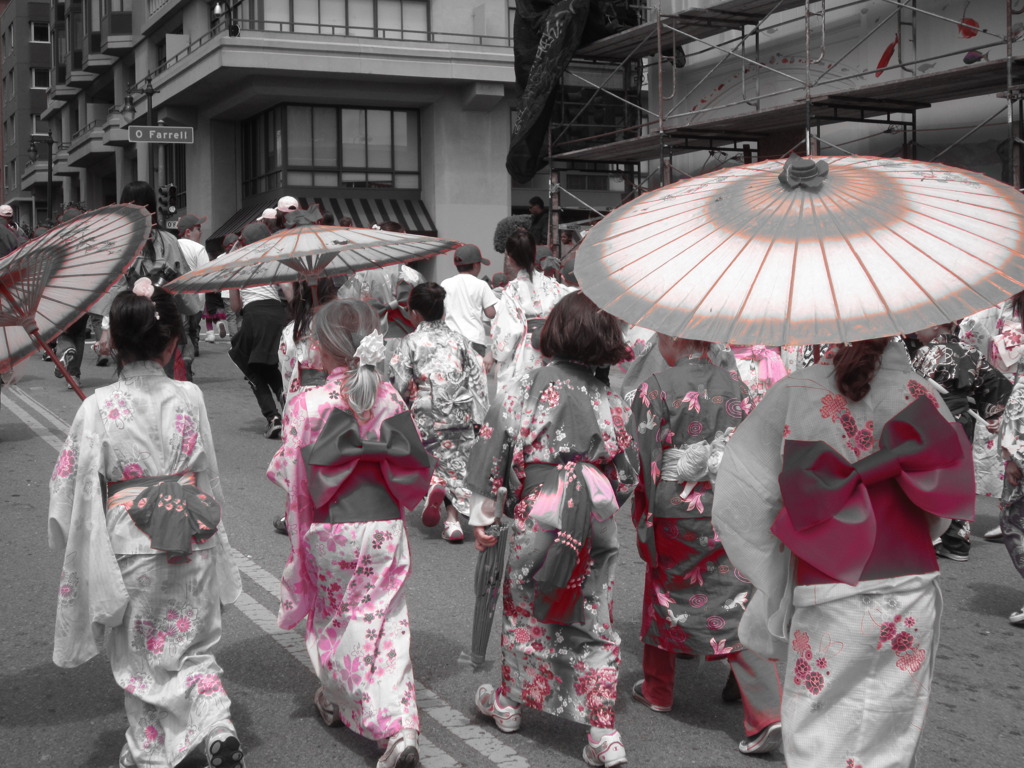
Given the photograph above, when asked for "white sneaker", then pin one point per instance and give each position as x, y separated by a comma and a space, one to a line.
452, 531
765, 740
606, 752
402, 750
993, 534
209, 337
1017, 618
508, 719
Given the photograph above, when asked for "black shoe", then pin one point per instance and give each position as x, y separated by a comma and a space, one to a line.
273, 430
281, 526
731, 691
952, 552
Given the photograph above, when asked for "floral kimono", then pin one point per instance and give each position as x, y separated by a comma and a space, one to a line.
159, 616
693, 596
441, 377
387, 289
1011, 440
759, 367
299, 362
859, 653
515, 330
346, 580
562, 445
978, 331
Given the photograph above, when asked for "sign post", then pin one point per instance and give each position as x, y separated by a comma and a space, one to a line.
161, 134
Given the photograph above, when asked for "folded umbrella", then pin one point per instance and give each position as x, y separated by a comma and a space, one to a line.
490, 571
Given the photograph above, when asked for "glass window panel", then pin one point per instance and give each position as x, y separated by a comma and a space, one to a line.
300, 178
300, 136
333, 12
380, 180
360, 18
325, 137
325, 179
276, 12
353, 179
353, 138
414, 19
407, 181
307, 14
378, 134
406, 141
389, 17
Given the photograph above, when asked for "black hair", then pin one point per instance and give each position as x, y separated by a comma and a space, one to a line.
466, 267
141, 328
536, 201
139, 193
856, 365
577, 330
301, 305
392, 226
522, 249
428, 300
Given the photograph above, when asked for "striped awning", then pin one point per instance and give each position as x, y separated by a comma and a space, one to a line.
411, 213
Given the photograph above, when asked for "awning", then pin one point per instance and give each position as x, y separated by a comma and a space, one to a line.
411, 213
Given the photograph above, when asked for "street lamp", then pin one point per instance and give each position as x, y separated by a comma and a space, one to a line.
224, 9
33, 155
147, 90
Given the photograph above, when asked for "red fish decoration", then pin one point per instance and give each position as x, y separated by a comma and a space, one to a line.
886, 56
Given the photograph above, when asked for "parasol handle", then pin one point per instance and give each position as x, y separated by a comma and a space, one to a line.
34, 333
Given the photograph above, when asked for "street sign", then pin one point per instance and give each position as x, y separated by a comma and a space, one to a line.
161, 134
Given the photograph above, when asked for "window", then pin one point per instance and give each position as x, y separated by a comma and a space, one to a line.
40, 78
393, 19
331, 147
40, 32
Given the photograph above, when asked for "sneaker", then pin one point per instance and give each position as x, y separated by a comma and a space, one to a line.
280, 525
78, 381
433, 503
273, 430
1017, 618
993, 534
328, 712
959, 556
638, 695
222, 328
65, 358
606, 752
223, 749
452, 531
209, 337
508, 719
767, 740
402, 750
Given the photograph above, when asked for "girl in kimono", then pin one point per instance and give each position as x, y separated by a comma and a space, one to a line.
297, 358
693, 597
562, 445
970, 388
351, 462
144, 583
441, 377
759, 367
525, 303
828, 499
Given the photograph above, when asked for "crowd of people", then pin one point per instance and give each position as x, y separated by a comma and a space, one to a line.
788, 525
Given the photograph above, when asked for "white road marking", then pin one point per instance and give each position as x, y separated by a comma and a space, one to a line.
479, 739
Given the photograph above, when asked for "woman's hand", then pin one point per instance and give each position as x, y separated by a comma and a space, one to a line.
481, 539
102, 346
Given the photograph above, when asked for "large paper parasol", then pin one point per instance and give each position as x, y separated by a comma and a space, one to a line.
307, 253
490, 572
51, 281
811, 251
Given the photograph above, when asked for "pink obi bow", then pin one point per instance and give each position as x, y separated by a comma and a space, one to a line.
769, 363
829, 513
340, 460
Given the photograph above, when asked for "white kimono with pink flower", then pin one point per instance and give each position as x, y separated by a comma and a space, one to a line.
157, 619
347, 580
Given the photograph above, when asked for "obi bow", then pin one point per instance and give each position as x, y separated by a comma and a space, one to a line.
343, 467
829, 509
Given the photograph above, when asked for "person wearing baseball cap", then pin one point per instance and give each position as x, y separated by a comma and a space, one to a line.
469, 301
11, 236
190, 232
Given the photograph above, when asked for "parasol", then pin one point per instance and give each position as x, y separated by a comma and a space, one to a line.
51, 281
490, 570
813, 250
307, 253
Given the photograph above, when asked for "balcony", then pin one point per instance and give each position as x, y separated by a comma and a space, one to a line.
87, 143
116, 32
75, 68
115, 127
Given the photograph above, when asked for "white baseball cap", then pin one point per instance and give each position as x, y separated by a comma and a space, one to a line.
269, 214
6, 211
287, 203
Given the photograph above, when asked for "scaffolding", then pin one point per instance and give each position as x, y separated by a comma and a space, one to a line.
765, 105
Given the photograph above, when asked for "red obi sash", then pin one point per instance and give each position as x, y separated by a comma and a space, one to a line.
869, 520
356, 479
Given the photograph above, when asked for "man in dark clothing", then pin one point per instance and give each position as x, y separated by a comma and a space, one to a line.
538, 221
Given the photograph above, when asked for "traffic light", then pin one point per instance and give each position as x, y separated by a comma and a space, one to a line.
167, 201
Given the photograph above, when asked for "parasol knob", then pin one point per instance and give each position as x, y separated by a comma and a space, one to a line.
803, 172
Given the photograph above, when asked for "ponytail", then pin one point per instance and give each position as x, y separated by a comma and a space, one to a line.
856, 365
340, 327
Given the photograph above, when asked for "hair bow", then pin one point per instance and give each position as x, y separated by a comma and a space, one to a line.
371, 349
